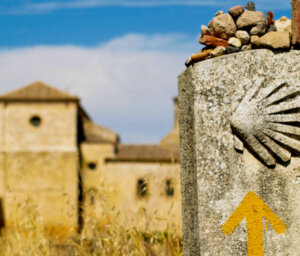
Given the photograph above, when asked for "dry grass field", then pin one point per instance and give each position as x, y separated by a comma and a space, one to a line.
109, 239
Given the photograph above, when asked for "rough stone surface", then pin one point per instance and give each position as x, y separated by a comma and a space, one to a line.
204, 30
250, 6
250, 18
232, 49
272, 28
202, 55
296, 22
212, 40
222, 26
259, 29
215, 176
233, 41
284, 24
218, 51
236, 11
219, 13
243, 36
255, 41
275, 40
246, 48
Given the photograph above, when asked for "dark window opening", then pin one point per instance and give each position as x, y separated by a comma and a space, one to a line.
169, 188
92, 165
142, 187
92, 193
35, 121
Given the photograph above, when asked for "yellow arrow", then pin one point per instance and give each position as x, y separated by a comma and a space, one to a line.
254, 210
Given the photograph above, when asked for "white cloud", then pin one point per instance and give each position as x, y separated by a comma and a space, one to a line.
50, 6
126, 84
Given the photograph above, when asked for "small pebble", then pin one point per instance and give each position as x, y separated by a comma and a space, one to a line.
189, 62
246, 48
255, 40
219, 13
283, 25
205, 30
250, 6
243, 36
232, 49
213, 41
233, 41
272, 28
276, 40
259, 29
219, 51
201, 55
236, 11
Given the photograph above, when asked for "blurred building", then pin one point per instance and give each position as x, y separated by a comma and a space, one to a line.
54, 157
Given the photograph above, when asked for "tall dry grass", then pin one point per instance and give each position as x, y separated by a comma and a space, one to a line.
26, 237
109, 238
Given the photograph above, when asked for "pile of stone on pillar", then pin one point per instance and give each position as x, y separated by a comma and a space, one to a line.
242, 29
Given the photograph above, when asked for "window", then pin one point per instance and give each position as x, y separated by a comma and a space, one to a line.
142, 187
92, 165
169, 188
92, 194
35, 121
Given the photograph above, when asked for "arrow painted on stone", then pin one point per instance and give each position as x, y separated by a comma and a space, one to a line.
254, 209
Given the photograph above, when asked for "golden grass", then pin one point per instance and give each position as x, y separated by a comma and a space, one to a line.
108, 238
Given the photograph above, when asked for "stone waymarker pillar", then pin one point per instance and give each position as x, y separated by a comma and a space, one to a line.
240, 144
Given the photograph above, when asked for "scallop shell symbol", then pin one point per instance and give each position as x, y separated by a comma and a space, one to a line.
267, 121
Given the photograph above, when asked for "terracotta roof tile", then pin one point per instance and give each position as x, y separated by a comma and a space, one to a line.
37, 91
97, 133
147, 153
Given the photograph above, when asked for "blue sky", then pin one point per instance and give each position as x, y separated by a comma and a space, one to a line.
121, 57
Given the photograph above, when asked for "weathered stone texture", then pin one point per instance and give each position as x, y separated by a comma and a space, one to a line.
283, 25
233, 41
296, 22
40, 163
212, 40
188, 166
222, 26
243, 36
275, 40
215, 177
119, 181
236, 11
218, 51
250, 18
57, 130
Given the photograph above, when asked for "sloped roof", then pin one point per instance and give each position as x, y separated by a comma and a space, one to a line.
38, 91
97, 133
172, 138
146, 153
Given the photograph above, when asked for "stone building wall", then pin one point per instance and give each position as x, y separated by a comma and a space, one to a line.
120, 181
39, 162
54, 158
112, 172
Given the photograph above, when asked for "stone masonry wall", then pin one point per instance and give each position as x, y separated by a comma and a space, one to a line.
40, 163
